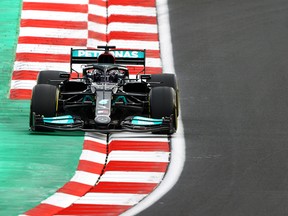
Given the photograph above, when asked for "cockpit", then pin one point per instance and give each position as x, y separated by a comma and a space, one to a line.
106, 73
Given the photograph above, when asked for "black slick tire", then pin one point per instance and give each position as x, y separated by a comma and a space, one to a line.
44, 101
163, 104
50, 77
166, 80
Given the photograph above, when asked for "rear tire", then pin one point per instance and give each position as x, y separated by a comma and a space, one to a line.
163, 80
44, 102
163, 104
50, 77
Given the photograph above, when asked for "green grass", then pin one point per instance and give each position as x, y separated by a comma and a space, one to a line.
32, 166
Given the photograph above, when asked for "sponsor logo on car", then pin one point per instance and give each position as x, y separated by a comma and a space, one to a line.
116, 53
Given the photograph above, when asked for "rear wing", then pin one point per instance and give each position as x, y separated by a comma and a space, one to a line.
122, 56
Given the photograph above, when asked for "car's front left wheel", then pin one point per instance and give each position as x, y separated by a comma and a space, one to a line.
44, 101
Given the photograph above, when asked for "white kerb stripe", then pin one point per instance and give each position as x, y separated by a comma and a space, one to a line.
22, 84
85, 178
53, 32
153, 62
140, 177
139, 137
54, 15
97, 10
46, 49
132, 27
111, 199
97, 27
61, 200
94, 43
131, 10
149, 45
93, 156
141, 156
37, 66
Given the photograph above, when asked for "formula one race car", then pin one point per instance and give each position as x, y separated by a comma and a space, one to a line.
104, 98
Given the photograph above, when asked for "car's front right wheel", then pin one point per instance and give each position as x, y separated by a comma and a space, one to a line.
163, 103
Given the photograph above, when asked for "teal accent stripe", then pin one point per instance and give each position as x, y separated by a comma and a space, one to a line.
143, 121
67, 119
117, 53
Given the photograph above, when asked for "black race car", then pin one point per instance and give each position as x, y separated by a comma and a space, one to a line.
104, 98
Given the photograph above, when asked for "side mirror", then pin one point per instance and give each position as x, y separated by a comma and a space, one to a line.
145, 76
65, 75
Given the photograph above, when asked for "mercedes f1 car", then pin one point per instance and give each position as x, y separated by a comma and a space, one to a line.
104, 98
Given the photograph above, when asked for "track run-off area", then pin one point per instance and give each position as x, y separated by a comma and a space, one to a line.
50, 174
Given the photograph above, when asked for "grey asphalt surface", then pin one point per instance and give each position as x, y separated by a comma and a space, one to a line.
231, 58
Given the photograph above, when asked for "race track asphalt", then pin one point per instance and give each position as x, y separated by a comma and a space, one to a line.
231, 61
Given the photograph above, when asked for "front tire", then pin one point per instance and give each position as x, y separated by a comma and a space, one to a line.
163, 103
168, 80
44, 101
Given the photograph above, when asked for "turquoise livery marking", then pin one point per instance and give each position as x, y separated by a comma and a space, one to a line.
138, 120
67, 119
116, 53
120, 98
86, 53
103, 102
128, 54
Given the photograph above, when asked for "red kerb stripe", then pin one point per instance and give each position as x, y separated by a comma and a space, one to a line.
92, 210
117, 35
52, 41
124, 187
53, 24
153, 53
132, 19
90, 167
97, 19
94, 146
39, 57
97, 36
98, 2
20, 94
133, 70
55, 7
75, 188
43, 210
24, 75
142, 3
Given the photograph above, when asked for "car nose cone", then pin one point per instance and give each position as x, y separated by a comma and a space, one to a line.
102, 119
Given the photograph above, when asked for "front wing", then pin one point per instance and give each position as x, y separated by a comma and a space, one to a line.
130, 124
